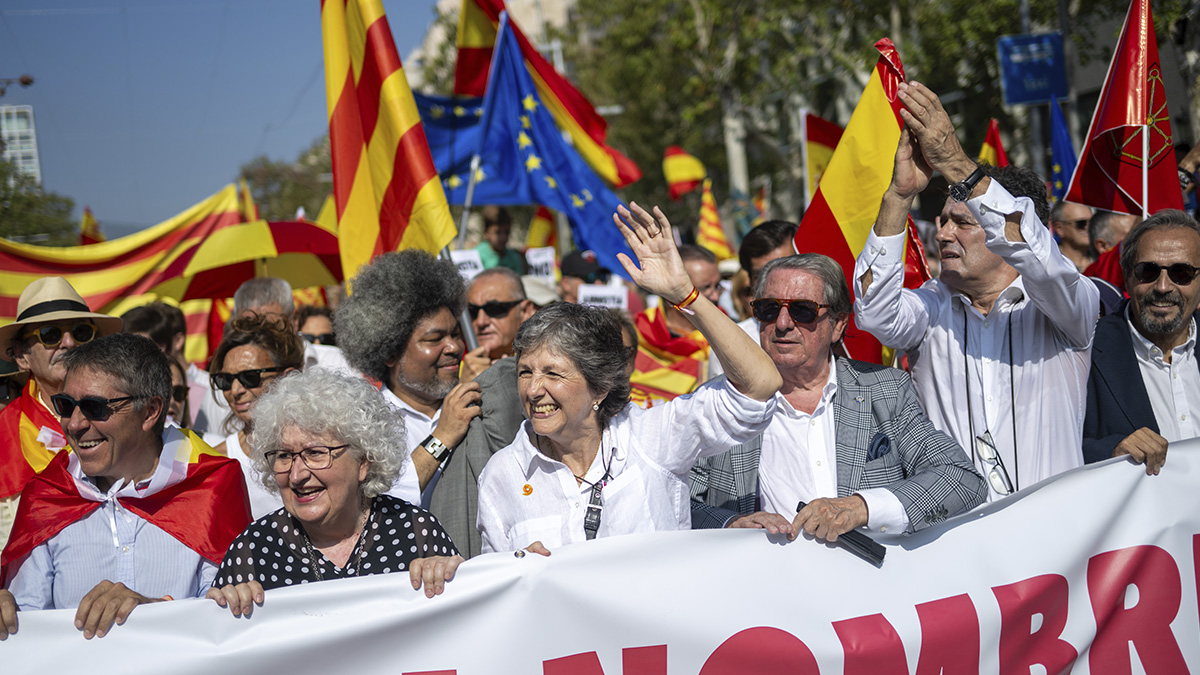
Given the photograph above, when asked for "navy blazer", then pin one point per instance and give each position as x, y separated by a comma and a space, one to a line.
1117, 402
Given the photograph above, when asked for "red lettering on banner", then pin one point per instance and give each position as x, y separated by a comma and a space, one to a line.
871, 646
576, 664
761, 650
1020, 645
949, 637
1148, 623
433, 672
634, 661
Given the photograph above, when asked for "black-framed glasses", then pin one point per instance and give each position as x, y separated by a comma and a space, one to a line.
493, 308
316, 457
1179, 273
179, 393
250, 379
767, 310
95, 408
51, 335
996, 473
329, 339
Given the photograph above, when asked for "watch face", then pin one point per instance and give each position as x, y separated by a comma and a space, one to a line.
959, 192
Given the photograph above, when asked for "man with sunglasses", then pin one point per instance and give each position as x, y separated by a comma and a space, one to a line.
1069, 222
1144, 387
497, 304
1009, 319
52, 319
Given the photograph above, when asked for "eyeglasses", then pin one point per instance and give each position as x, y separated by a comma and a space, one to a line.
316, 458
996, 473
767, 310
1178, 273
329, 339
250, 379
493, 308
179, 393
51, 335
94, 408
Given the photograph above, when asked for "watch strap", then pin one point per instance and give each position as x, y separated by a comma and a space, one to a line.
438, 449
962, 191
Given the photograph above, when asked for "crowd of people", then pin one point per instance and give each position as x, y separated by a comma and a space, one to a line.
368, 440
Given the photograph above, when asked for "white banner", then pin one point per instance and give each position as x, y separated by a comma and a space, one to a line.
1012, 586
609, 297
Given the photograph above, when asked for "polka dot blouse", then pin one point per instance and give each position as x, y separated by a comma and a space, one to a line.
274, 550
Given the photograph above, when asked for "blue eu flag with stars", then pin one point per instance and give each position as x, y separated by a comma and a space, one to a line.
1062, 152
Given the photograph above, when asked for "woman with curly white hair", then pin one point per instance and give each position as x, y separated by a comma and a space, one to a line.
330, 446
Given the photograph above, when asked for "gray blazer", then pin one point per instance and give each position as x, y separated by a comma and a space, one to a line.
884, 440
456, 496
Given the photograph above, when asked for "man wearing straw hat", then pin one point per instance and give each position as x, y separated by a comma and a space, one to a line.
52, 319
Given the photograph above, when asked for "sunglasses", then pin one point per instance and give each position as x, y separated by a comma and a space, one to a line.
1179, 273
329, 339
493, 308
250, 379
94, 408
51, 335
767, 310
1080, 224
179, 393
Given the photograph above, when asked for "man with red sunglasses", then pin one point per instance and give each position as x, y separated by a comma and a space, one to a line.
52, 319
1144, 386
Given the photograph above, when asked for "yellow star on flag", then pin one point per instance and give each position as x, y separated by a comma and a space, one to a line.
523, 140
479, 112
479, 175
437, 111
525, 121
532, 162
577, 201
453, 182
529, 102
459, 111
551, 183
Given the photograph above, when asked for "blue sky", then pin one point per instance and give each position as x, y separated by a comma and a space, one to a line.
144, 108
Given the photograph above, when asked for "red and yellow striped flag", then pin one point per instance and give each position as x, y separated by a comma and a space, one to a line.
992, 151
666, 365
573, 113
711, 235
844, 209
385, 184
683, 171
543, 230
246, 205
89, 229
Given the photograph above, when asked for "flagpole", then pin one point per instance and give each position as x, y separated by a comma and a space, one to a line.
469, 201
1145, 171
465, 318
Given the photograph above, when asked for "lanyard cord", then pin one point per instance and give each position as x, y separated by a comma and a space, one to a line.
591, 519
1012, 398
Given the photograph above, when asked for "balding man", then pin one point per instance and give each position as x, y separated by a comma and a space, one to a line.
497, 304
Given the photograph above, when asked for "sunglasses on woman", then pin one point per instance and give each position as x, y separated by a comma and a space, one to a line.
1179, 273
493, 308
51, 335
179, 393
328, 339
94, 408
767, 310
250, 379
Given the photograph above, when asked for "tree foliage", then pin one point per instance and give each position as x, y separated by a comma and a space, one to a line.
279, 188
29, 213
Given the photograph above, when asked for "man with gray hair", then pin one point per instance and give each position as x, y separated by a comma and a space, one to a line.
849, 445
264, 295
497, 304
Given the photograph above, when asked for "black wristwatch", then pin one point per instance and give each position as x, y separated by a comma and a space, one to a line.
438, 449
960, 192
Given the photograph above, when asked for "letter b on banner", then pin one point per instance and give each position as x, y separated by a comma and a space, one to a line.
1020, 645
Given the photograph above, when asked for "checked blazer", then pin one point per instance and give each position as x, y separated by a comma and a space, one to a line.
884, 440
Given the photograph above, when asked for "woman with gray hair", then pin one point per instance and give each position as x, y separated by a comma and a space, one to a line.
330, 446
587, 462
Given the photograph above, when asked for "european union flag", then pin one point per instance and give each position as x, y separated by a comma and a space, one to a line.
1062, 152
524, 159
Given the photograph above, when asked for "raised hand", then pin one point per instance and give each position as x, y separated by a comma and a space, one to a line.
910, 172
661, 270
924, 115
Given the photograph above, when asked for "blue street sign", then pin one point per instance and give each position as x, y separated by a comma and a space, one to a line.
1032, 69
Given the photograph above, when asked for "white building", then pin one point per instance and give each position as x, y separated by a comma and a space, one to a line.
19, 134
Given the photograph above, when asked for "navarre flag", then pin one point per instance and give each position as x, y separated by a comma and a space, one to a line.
89, 229
543, 230
992, 151
1062, 152
1128, 162
711, 235
819, 138
682, 171
573, 113
384, 182
844, 209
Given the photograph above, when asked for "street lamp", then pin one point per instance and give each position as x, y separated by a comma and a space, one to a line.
24, 81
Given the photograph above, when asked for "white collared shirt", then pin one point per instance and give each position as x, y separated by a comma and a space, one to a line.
417, 425
799, 463
1051, 309
525, 496
1173, 388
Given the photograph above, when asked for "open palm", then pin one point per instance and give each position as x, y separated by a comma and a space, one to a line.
659, 268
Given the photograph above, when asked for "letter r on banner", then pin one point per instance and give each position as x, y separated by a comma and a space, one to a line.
1020, 645
1148, 623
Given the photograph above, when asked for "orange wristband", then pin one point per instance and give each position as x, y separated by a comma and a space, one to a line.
688, 300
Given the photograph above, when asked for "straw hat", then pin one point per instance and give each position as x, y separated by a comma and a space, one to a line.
52, 299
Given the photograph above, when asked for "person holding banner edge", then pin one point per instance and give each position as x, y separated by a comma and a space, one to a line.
582, 435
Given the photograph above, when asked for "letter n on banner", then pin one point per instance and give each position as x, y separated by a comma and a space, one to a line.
1021, 646
1148, 623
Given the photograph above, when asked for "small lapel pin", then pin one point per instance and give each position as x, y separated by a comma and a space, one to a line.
858, 398
527, 490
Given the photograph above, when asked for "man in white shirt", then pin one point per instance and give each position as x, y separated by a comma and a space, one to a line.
399, 326
1144, 388
1009, 319
848, 438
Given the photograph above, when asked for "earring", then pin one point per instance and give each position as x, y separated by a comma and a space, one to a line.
595, 406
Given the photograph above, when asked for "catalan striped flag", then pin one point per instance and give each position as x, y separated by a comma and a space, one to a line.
820, 138
683, 171
844, 209
573, 113
246, 205
385, 185
992, 151
543, 230
89, 229
711, 235
666, 365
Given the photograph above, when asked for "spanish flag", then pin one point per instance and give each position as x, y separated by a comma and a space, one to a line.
992, 151
573, 113
543, 231
820, 137
682, 171
711, 235
844, 209
385, 185
89, 229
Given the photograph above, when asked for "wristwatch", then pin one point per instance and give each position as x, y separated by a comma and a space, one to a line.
960, 192
436, 448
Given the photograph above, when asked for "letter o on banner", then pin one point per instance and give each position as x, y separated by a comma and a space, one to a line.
761, 651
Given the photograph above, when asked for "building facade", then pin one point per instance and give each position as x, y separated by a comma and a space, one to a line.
19, 136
